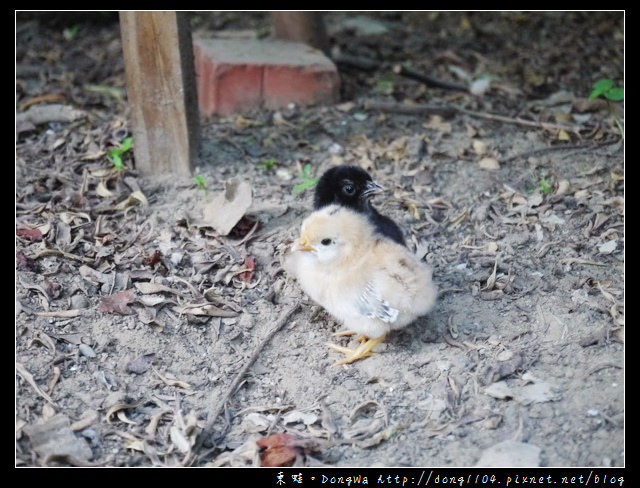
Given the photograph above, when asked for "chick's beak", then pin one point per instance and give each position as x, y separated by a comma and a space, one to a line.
302, 244
371, 189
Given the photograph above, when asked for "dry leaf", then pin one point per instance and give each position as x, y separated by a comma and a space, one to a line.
118, 409
242, 456
227, 208
250, 265
489, 163
54, 438
479, 147
281, 449
88, 419
438, 123
378, 437
42, 114
179, 439
205, 310
33, 235
153, 259
296, 416
153, 300
152, 288
537, 393
25, 263
135, 445
28, 377
45, 340
136, 196
499, 390
155, 421
608, 247
103, 191
179, 384
141, 364
122, 416
480, 86
118, 303
93, 276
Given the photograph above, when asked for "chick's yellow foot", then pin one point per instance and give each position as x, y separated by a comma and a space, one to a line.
360, 352
344, 333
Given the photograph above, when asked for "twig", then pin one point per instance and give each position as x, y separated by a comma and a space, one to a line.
598, 367
364, 64
249, 234
444, 291
58, 252
410, 109
568, 147
448, 111
427, 79
240, 375
526, 123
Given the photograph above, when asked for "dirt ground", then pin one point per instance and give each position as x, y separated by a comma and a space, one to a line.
146, 337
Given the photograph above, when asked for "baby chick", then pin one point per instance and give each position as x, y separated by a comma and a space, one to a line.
353, 187
369, 283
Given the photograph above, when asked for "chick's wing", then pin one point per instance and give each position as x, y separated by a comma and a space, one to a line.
373, 306
402, 280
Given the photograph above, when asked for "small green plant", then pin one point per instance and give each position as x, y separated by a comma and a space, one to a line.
545, 186
611, 93
606, 89
268, 164
70, 33
200, 184
116, 154
385, 86
307, 180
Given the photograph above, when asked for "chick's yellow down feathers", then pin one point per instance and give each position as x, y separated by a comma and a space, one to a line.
366, 281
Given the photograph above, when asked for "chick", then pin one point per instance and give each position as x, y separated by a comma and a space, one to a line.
353, 187
370, 284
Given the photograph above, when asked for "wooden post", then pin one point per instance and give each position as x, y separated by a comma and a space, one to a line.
306, 27
161, 90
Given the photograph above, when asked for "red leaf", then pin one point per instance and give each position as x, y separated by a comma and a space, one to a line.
154, 258
25, 263
276, 440
118, 303
33, 235
278, 456
250, 264
281, 450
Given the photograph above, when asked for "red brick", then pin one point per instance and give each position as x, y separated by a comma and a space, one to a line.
237, 75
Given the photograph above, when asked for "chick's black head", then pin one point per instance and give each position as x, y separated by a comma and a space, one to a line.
346, 185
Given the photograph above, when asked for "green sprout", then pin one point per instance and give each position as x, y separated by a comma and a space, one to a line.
200, 184
545, 186
116, 154
611, 93
307, 180
268, 164
71, 33
385, 86
606, 89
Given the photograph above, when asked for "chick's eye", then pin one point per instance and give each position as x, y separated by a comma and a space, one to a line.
325, 242
349, 188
